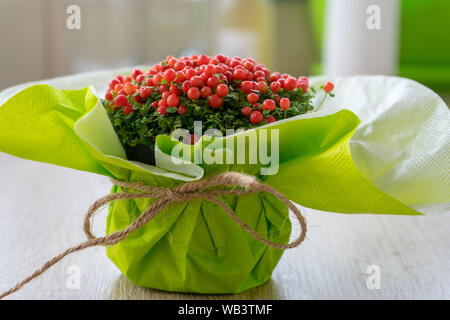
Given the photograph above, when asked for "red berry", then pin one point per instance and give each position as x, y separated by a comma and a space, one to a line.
252, 98
213, 82
274, 76
303, 79
290, 83
181, 110
215, 101
204, 77
256, 117
303, 83
222, 90
179, 65
190, 73
258, 74
248, 65
240, 74
173, 89
218, 69
109, 96
186, 86
275, 86
165, 94
170, 75
180, 77
136, 72
113, 83
234, 63
118, 88
127, 79
276, 98
162, 110
193, 93
129, 88
202, 59
173, 100
285, 103
196, 81
154, 105
171, 61
247, 86
209, 70
149, 82
127, 109
121, 100
328, 87
162, 103
246, 111
228, 75
221, 58
206, 92
157, 78
140, 78
138, 98
269, 105
156, 68
261, 86
270, 119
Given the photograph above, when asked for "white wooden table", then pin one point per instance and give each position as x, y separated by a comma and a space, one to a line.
41, 212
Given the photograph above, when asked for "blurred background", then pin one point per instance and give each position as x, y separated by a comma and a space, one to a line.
409, 38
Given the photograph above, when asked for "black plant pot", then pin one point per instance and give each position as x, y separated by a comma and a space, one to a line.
141, 153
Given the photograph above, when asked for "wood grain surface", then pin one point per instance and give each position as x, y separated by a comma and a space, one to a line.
42, 208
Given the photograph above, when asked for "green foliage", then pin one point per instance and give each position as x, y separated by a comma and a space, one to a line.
144, 124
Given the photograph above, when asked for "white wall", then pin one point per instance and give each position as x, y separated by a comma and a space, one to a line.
21, 50
36, 44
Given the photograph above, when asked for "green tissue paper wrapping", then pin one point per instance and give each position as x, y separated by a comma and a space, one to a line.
362, 152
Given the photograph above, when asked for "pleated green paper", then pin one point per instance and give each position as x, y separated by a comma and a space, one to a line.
195, 246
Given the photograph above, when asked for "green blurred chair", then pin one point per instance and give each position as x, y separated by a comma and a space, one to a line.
424, 51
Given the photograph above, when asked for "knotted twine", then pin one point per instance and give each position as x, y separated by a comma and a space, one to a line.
208, 189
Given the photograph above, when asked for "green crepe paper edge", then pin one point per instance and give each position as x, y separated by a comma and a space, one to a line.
289, 169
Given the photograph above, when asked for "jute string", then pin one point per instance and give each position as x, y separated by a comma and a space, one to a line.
208, 189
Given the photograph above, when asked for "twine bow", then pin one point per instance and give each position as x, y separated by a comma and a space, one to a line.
208, 189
